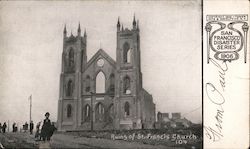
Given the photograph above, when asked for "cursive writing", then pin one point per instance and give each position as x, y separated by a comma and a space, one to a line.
216, 97
218, 100
222, 72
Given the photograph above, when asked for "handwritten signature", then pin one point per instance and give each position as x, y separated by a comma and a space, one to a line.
222, 68
217, 99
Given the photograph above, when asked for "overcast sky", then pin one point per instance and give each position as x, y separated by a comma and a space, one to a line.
31, 36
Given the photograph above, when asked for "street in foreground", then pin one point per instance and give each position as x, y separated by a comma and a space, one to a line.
63, 140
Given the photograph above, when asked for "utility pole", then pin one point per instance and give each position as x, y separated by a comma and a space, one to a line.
8, 126
30, 99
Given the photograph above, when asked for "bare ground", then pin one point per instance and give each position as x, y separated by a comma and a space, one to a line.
61, 140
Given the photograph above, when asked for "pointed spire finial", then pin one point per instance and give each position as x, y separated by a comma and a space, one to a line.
134, 22
65, 30
118, 22
79, 27
79, 30
85, 33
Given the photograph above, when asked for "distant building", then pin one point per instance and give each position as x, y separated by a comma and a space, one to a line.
182, 122
164, 121
176, 116
106, 92
162, 116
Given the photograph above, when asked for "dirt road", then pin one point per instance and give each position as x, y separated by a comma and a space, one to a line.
20, 140
60, 140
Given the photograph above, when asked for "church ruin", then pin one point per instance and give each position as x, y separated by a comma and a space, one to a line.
102, 93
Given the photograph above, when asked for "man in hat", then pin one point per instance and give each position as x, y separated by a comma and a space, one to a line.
46, 127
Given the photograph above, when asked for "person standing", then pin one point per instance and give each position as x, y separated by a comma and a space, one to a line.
46, 128
38, 134
4, 127
25, 126
31, 127
13, 127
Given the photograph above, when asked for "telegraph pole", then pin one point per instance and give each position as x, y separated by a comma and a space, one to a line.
8, 126
30, 99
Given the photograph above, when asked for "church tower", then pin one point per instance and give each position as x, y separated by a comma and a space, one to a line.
101, 93
74, 60
129, 77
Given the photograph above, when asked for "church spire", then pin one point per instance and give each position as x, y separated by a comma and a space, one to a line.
134, 23
79, 30
65, 31
85, 34
118, 24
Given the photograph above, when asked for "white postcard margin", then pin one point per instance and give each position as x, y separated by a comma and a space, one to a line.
225, 84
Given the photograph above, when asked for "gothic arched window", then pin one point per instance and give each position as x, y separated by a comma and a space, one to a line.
69, 89
126, 53
126, 85
87, 113
87, 89
112, 83
100, 109
71, 57
69, 110
126, 109
100, 82
99, 112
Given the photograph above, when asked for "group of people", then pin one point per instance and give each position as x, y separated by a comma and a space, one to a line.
44, 133
3, 127
26, 127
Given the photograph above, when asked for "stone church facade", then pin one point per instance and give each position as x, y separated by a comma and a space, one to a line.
102, 93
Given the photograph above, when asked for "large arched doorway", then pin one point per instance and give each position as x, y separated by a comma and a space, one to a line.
99, 112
